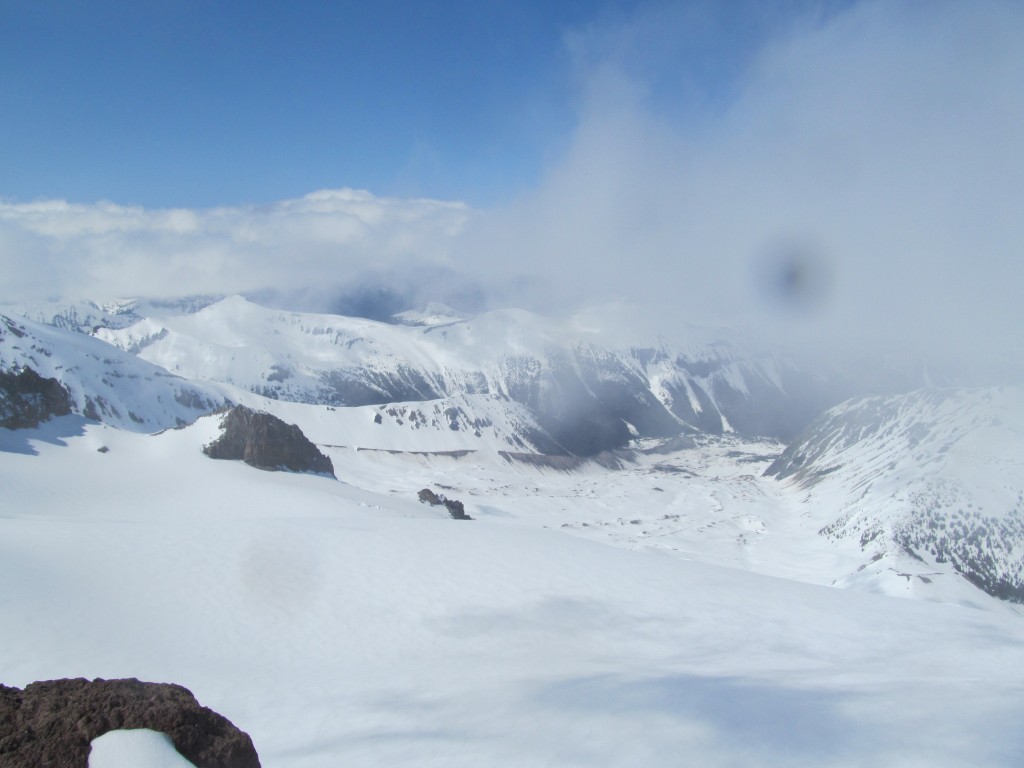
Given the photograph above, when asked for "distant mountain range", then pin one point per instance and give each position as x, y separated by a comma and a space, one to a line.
922, 487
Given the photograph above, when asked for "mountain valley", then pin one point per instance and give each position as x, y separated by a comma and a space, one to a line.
662, 533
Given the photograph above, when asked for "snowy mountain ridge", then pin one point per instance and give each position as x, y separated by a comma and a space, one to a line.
105, 383
509, 385
928, 484
86, 315
587, 397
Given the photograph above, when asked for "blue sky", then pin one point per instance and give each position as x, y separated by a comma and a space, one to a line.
207, 103
197, 103
683, 155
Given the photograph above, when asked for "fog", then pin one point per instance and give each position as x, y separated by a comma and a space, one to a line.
299, 253
862, 189
852, 185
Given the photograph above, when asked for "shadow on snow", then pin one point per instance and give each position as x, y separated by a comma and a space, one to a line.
53, 432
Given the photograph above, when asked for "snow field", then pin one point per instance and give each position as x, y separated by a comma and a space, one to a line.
136, 748
345, 623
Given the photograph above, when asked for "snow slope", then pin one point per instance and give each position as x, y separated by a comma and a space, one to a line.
85, 316
525, 385
106, 383
134, 749
342, 622
662, 602
928, 485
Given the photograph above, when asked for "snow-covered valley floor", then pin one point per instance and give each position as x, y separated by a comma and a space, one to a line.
670, 612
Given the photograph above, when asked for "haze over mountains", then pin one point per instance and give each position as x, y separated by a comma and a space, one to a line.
896, 474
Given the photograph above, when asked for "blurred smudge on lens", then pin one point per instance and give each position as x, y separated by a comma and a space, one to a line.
794, 276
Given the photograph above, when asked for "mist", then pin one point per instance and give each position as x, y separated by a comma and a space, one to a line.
300, 251
850, 186
861, 192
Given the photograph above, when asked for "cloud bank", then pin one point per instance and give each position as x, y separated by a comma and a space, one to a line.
861, 186
303, 249
853, 179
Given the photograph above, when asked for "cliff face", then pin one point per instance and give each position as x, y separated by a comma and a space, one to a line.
53, 722
265, 442
27, 399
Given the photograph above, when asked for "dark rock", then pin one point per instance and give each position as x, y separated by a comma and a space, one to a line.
365, 386
455, 508
607, 459
265, 442
52, 723
27, 399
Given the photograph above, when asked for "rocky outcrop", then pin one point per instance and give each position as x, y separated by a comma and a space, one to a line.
265, 442
27, 399
455, 508
52, 723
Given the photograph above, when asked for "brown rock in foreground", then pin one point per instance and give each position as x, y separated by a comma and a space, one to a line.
51, 724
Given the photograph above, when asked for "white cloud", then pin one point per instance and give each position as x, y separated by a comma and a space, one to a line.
54, 248
859, 181
881, 145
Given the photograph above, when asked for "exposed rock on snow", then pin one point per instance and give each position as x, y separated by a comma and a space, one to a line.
266, 442
27, 399
455, 508
51, 723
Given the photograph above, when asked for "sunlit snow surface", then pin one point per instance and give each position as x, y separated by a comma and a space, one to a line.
344, 623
